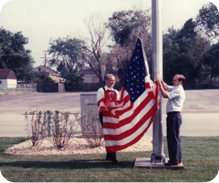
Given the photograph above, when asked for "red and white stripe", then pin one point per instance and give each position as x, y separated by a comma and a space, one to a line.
124, 122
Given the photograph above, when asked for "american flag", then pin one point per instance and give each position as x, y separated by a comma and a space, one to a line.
126, 121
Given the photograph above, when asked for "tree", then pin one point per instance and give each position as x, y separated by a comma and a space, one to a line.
74, 81
94, 45
192, 60
187, 31
72, 54
171, 54
67, 56
13, 55
183, 53
188, 43
125, 28
117, 61
126, 24
67, 53
208, 27
211, 61
208, 22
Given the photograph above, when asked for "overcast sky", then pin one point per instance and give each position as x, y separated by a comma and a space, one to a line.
40, 20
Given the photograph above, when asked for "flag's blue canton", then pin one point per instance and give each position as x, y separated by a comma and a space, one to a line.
135, 77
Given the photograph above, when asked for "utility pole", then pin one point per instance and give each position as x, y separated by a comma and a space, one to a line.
157, 66
45, 59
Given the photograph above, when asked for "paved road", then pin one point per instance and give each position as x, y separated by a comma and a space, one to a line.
12, 123
200, 112
195, 124
12, 126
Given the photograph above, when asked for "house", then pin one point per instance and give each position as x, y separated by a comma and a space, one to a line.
54, 75
7, 79
215, 81
89, 76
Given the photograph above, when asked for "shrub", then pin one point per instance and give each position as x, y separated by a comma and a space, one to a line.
36, 126
49, 124
64, 128
92, 130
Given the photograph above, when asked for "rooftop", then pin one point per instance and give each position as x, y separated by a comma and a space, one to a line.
7, 74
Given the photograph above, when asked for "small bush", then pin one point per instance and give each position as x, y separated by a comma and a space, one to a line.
46, 124
64, 128
92, 130
36, 126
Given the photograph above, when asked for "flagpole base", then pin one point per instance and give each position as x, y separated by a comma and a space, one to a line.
158, 158
142, 162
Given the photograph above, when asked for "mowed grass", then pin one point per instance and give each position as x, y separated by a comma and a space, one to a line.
200, 158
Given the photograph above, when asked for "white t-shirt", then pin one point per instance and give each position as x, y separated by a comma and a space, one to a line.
176, 99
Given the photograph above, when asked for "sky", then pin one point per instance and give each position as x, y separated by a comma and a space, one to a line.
41, 20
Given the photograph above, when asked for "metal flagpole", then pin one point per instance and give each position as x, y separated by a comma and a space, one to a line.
157, 66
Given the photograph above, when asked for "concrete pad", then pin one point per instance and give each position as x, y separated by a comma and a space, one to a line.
146, 163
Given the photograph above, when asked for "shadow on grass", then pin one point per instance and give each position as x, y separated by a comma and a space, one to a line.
75, 164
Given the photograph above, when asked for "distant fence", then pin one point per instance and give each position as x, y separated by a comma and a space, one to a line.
50, 87
19, 88
188, 85
62, 87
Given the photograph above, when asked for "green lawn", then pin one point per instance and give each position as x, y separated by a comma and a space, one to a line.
200, 158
